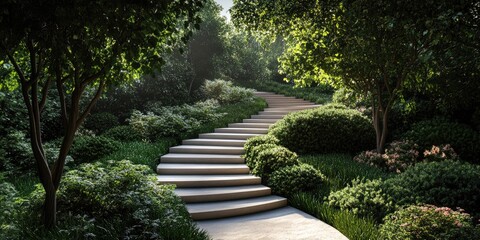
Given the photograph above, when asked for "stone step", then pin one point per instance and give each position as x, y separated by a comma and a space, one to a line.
250, 125
273, 105
260, 121
191, 195
207, 149
201, 158
242, 130
241, 136
290, 108
274, 113
267, 117
188, 181
214, 142
197, 168
202, 211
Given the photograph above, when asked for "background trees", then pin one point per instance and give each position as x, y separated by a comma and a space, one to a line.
80, 47
377, 48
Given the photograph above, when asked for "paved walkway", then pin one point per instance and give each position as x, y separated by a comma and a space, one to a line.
284, 223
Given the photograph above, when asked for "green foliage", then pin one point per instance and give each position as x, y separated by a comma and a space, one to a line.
462, 138
175, 121
290, 180
122, 134
325, 130
271, 158
447, 183
348, 223
225, 92
398, 156
17, 153
349, 98
251, 156
440, 153
90, 148
101, 122
257, 141
430, 223
124, 201
341, 170
9, 228
319, 93
365, 198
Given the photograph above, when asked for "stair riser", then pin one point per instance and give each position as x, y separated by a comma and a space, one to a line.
214, 143
233, 130
241, 137
237, 212
202, 171
204, 160
267, 117
226, 196
260, 121
275, 113
294, 108
207, 151
219, 183
249, 125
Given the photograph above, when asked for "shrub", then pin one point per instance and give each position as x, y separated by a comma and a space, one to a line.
9, 228
226, 93
271, 159
293, 179
365, 198
251, 157
447, 183
440, 153
89, 148
101, 122
125, 200
17, 153
428, 222
398, 156
440, 131
325, 130
257, 141
123, 134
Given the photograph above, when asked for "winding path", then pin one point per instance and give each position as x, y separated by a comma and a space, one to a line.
212, 178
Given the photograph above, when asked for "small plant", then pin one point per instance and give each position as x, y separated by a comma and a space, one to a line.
89, 148
440, 153
225, 92
123, 133
9, 228
293, 179
251, 156
101, 122
398, 156
271, 159
365, 198
428, 222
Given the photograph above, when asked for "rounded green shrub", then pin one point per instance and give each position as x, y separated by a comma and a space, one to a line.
293, 179
430, 223
252, 154
101, 122
271, 159
90, 148
124, 199
225, 92
446, 183
257, 141
365, 198
123, 134
462, 138
325, 129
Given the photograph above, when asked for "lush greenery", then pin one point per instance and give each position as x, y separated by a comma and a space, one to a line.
90, 148
332, 129
293, 179
429, 222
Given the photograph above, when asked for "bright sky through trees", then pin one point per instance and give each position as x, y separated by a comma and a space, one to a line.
226, 5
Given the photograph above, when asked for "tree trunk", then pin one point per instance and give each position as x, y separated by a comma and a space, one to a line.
50, 207
380, 124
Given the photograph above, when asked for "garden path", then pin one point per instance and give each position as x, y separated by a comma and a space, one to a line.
212, 178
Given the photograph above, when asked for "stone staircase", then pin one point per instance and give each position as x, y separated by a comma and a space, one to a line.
210, 174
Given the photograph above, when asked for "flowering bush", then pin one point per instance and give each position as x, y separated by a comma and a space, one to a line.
428, 222
398, 156
440, 153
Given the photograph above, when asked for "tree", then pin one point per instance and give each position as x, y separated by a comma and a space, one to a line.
376, 48
80, 47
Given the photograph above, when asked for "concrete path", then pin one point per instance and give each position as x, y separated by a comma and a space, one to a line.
284, 223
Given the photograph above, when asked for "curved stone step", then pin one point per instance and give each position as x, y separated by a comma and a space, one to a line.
277, 117
242, 136
212, 210
250, 125
208, 180
207, 149
291, 108
201, 168
215, 142
201, 158
191, 195
242, 130
274, 113
260, 121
